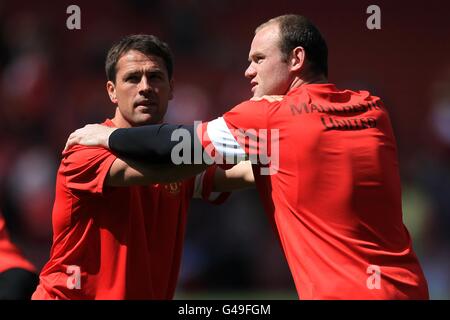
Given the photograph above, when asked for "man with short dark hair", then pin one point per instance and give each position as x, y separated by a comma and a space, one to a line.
332, 187
118, 224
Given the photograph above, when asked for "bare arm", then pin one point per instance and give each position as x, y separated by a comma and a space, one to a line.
238, 177
128, 172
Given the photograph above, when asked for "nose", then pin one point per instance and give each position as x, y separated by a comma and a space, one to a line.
250, 72
144, 85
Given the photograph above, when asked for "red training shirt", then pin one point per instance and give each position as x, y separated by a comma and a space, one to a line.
10, 255
115, 242
334, 193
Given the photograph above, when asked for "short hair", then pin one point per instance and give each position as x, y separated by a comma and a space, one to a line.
295, 31
144, 43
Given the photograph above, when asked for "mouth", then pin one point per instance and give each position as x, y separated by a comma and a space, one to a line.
146, 104
254, 85
146, 107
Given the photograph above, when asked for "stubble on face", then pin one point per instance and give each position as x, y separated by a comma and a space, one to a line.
268, 71
142, 88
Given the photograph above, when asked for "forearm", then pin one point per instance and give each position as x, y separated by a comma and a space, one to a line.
238, 177
151, 143
129, 172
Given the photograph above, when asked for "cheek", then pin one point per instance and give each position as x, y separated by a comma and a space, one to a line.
125, 99
164, 93
280, 76
125, 94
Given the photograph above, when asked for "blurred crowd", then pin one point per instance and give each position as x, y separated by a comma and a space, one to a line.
52, 81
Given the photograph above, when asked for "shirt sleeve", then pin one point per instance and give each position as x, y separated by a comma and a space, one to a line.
238, 134
10, 255
203, 187
85, 168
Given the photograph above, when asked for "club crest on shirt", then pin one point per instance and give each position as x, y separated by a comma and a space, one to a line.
173, 188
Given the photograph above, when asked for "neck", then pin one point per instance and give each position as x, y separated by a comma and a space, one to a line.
119, 121
307, 79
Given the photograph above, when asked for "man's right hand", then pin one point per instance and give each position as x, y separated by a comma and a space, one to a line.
90, 135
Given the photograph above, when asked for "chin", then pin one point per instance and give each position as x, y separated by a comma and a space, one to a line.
147, 119
260, 93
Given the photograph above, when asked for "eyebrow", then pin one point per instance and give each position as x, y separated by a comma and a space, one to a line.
139, 72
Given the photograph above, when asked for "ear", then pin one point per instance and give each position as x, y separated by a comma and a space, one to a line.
298, 59
111, 89
171, 83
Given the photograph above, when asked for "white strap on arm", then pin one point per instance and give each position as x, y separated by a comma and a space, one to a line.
223, 140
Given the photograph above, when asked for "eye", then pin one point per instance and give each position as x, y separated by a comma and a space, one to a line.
259, 59
133, 79
156, 76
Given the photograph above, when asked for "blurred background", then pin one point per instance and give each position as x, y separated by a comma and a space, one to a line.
52, 81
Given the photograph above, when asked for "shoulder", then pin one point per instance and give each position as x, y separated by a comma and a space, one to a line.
85, 168
80, 150
252, 113
256, 104
79, 154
